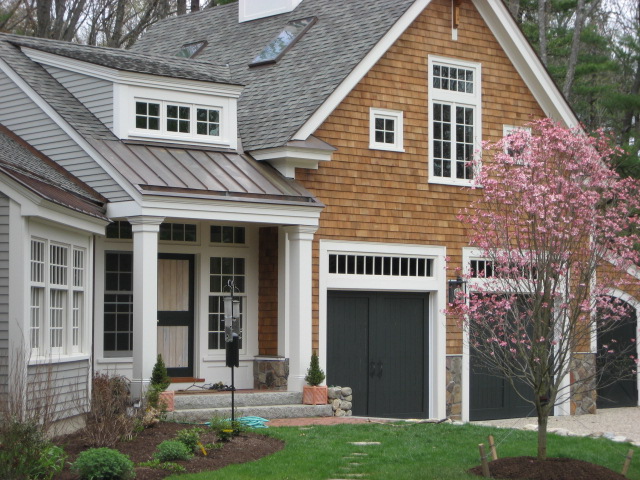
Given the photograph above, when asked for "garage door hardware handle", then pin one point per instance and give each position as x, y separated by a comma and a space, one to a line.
372, 369
379, 369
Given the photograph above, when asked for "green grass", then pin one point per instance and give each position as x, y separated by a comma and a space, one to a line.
409, 451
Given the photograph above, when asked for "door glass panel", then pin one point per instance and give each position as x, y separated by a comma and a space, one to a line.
173, 285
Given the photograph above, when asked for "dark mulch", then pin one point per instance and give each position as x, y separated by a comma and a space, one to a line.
529, 468
244, 448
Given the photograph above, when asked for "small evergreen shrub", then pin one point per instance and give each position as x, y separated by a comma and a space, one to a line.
315, 375
172, 450
168, 466
103, 464
190, 437
159, 377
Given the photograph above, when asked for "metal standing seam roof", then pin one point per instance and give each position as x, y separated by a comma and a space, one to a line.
44, 177
279, 98
204, 171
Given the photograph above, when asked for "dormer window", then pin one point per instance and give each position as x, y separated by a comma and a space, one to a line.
178, 119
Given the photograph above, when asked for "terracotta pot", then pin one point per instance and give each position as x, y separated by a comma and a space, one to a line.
314, 395
166, 400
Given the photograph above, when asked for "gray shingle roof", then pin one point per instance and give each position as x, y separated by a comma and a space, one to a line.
126, 60
44, 177
278, 99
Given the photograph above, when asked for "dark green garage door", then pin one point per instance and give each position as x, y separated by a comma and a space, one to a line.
492, 396
617, 386
377, 345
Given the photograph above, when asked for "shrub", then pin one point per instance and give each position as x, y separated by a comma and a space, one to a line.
26, 453
171, 450
190, 437
225, 429
168, 466
108, 419
315, 375
103, 464
159, 377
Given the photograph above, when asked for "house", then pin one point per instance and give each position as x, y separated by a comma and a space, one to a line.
312, 151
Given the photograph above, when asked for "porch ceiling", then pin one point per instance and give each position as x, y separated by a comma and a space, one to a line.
191, 171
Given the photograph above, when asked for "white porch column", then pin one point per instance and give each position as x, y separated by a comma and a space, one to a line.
298, 302
145, 299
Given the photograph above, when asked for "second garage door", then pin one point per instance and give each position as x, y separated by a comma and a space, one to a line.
377, 345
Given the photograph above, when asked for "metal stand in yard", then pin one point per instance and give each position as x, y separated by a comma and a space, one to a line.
232, 340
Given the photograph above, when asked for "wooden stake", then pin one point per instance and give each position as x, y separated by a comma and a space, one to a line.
483, 459
627, 462
492, 448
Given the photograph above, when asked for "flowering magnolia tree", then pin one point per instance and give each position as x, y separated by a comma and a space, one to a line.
552, 213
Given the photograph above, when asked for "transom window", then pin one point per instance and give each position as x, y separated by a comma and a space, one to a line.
454, 108
221, 271
120, 230
386, 129
178, 119
56, 299
481, 268
178, 232
388, 265
228, 235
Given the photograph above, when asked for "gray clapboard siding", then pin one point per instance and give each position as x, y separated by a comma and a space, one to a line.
4, 292
26, 119
65, 385
96, 94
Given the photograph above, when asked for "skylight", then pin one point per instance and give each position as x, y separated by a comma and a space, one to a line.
277, 47
190, 50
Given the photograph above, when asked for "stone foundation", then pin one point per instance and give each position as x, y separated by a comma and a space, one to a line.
454, 387
340, 399
271, 373
583, 383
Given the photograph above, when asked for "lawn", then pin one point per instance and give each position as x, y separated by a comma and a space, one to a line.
406, 451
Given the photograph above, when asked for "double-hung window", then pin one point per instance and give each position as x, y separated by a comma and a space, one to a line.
222, 270
455, 119
56, 298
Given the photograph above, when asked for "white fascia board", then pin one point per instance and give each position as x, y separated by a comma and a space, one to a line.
526, 61
367, 63
133, 78
33, 205
69, 130
216, 210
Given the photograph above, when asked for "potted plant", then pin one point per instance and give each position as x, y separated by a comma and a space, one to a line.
313, 393
160, 381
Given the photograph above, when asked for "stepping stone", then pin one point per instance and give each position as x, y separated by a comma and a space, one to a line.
357, 454
365, 443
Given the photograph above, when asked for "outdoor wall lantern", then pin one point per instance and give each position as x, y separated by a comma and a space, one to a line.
232, 338
456, 286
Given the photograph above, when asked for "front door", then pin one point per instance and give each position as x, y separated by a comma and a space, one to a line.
377, 344
176, 313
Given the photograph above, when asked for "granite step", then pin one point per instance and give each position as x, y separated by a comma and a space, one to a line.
223, 400
269, 412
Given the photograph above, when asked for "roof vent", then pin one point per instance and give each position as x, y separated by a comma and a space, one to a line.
254, 9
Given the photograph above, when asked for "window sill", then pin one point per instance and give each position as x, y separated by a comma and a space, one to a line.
451, 181
80, 357
114, 360
386, 148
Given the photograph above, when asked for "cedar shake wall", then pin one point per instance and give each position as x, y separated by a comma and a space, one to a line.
379, 196
268, 292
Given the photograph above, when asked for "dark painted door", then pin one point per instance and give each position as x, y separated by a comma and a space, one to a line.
377, 345
176, 313
618, 386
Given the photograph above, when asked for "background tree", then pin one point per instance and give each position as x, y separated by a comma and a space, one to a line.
551, 213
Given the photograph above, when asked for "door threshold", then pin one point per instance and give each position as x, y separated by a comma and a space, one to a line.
186, 380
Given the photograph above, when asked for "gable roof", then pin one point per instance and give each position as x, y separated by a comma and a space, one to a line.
279, 98
126, 60
290, 99
45, 178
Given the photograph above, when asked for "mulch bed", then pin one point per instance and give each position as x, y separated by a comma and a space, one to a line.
529, 468
244, 448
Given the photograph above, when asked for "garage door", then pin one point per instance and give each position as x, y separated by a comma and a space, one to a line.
377, 344
615, 391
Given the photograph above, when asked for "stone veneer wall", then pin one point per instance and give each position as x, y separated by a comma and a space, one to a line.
341, 399
454, 387
583, 383
271, 373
